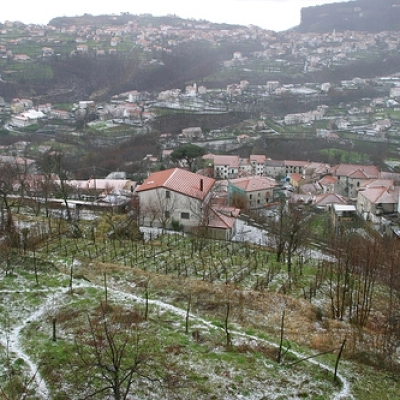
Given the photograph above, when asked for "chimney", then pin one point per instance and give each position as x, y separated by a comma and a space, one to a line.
201, 185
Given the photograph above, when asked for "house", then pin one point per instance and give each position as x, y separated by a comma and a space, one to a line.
315, 170
226, 167
293, 166
192, 132
47, 51
256, 191
60, 114
342, 124
296, 180
351, 176
329, 184
82, 48
395, 91
257, 163
275, 168
374, 202
343, 214
19, 105
243, 139
271, 86
245, 168
95, 187
21, 57
175, 197
326, 200
26, 118
222, 223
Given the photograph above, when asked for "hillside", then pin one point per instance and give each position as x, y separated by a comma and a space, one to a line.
201, 318
356, 15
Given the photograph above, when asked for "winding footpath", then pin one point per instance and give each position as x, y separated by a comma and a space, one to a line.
12, 340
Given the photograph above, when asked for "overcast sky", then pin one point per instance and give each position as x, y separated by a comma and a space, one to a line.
276, 15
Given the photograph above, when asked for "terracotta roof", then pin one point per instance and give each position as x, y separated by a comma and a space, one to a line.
318, 168
180, 181
221, 221
356, 171
370, 183
253, 183
295, 177
231, 161
294, 163
380, 195
329, 198
260, 159
328, 180
208, 156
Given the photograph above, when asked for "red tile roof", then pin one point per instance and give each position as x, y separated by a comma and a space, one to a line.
253, 183
381, 195
329, 198
356, 171
260, 159
180, 181
221, 221
328, 180
230, 161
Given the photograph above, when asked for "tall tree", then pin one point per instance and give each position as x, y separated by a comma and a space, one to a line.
288, 231
189, 153
11, 178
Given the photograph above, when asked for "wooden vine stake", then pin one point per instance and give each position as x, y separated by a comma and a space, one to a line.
338, 359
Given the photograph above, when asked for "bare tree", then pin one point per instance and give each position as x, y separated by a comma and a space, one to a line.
114, 353
288, 230
9, 180
120, 226
352, 275
52, 164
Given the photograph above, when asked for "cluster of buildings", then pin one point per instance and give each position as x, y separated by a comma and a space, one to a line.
231, 185
213, 198
177, 196
314, 51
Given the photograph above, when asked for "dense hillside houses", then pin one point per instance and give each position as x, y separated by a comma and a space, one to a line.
258, 178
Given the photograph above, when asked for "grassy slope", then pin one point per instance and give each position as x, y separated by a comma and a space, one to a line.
209, 367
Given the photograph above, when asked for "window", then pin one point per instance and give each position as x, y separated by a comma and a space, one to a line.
185, 215
167, 194
167, 214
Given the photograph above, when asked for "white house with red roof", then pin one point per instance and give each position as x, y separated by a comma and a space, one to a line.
257, 162
175, 196
225, 167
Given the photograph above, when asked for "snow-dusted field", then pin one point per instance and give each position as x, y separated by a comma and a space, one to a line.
29, 305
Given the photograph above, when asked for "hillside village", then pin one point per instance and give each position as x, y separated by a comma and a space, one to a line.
368, 190
229, 266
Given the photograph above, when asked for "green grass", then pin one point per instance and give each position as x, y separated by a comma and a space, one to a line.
174, 266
